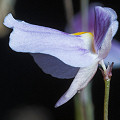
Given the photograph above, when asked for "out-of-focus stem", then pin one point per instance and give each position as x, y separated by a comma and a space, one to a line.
84, 13
88, 105
85, 95
6, 6
69, 12
78, 107
83, 105
106, 98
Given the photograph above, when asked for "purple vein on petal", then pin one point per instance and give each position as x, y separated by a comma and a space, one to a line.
104, 19
102, 23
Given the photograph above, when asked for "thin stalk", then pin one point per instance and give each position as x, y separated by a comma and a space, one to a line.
107, 73
79, 115
84, 13
83, 105
88, 105
106, 98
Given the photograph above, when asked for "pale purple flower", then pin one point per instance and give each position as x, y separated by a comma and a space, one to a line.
80, 50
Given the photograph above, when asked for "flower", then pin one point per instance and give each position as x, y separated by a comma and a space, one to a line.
84, 50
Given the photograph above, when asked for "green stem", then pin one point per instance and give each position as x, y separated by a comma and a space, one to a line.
89, 109
83, 105
78, 107
106, 98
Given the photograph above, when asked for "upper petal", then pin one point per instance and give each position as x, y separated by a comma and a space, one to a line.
70, 49
104, 19
80, 81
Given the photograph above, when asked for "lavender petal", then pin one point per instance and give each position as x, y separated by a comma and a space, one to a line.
104, 17
70, 49
53, 66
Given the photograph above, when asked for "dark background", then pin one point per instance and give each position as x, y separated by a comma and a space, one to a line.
22, 82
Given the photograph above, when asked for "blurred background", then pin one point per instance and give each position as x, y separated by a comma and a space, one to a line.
25, 89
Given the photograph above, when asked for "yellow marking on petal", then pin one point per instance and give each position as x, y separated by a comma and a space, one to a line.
93, 46
79, 33
91, 36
